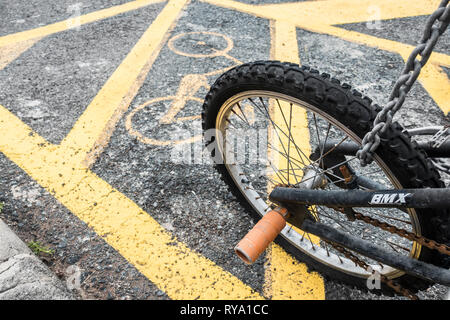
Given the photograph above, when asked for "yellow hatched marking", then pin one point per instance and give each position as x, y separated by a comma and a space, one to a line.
168, 263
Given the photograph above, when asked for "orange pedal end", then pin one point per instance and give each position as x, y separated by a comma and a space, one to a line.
262, 234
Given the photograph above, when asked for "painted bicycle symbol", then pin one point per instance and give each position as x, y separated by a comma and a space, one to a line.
195, 45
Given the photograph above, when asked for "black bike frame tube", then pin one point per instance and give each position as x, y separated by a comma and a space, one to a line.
401, 198
370, 250
350, 149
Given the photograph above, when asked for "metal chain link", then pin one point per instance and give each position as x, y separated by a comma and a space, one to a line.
440, 137
442, 248
442, 165
409, 75
357, 261
437, 141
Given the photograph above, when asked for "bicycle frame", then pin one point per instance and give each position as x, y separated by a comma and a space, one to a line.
400, 198
368, 249
297, 200
350, 148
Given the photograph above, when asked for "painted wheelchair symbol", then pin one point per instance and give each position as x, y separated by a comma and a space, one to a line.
195, 45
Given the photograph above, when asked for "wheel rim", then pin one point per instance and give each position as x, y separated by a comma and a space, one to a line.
243, 180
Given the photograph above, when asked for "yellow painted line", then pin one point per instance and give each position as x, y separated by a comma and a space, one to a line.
316, 23
319, 16
347, 11
103, 139
437, 83
432, 77
12, 51
91, 125
290, 280
120, 107
168, 263
284, 42
189, 85
67, 24
286, 278
388, 45
147, 140
331, 12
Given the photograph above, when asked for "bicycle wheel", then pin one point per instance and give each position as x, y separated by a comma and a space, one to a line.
271, 117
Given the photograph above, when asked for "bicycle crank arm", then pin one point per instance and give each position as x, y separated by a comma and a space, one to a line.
370, 250
401, 198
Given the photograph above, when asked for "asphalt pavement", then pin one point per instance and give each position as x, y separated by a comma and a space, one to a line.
52, 78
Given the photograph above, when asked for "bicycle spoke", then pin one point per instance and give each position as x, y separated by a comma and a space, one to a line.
234, 112
276, 171
333, 167
289, 128
324, 143
276, 126
279, 138
239, 106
